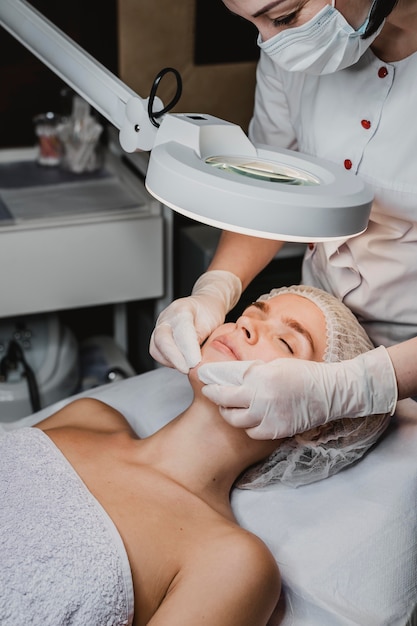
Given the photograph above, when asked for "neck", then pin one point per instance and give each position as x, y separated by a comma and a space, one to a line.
203, 453
398, 38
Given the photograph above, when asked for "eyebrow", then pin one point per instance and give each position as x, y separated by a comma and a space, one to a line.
261, 305
289, 321
299, 329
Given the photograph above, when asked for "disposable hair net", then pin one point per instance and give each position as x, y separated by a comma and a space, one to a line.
325, 450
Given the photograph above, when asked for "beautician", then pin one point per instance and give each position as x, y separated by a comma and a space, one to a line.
338, 82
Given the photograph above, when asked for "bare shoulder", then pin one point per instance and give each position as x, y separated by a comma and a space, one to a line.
245, 550
249, 562
232, 581
86, 414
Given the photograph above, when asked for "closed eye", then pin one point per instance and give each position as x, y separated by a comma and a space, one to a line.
286, 20
287, 345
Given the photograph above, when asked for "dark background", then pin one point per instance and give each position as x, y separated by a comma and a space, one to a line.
28, 87
222, 37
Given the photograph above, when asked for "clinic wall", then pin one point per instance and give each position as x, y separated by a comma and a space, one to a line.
198, 38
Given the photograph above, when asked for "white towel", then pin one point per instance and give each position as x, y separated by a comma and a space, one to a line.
62, 560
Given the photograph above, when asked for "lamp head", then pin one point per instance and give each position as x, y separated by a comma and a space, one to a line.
208, 170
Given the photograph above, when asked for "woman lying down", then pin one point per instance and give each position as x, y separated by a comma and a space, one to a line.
99, 527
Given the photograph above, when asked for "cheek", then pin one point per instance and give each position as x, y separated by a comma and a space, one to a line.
269, 354
266, 32
269, 350
265, 349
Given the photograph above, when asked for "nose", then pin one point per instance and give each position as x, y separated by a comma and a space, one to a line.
249, 327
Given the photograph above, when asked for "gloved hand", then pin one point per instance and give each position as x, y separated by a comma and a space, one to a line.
186, 323
287, 396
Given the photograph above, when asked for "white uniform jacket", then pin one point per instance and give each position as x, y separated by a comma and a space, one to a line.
365, 118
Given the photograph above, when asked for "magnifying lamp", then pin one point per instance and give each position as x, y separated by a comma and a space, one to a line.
200, 165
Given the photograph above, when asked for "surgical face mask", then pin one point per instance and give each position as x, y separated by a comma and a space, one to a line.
323, 45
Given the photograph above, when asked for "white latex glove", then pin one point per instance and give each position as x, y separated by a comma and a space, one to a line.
187, 322
287, 396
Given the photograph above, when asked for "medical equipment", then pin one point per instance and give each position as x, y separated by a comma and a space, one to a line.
41, 362
102, 361
202, 166
38, 364
346, 546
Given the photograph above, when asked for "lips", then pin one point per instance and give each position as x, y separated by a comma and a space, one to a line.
224, 345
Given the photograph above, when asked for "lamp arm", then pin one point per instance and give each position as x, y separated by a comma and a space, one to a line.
119, 104
202, 166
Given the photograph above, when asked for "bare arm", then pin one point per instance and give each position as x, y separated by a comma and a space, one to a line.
234, 583
404, 359
244, 256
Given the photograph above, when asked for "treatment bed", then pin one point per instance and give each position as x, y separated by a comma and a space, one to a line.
346, 546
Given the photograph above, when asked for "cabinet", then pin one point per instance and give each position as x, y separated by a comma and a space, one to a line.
69, 241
